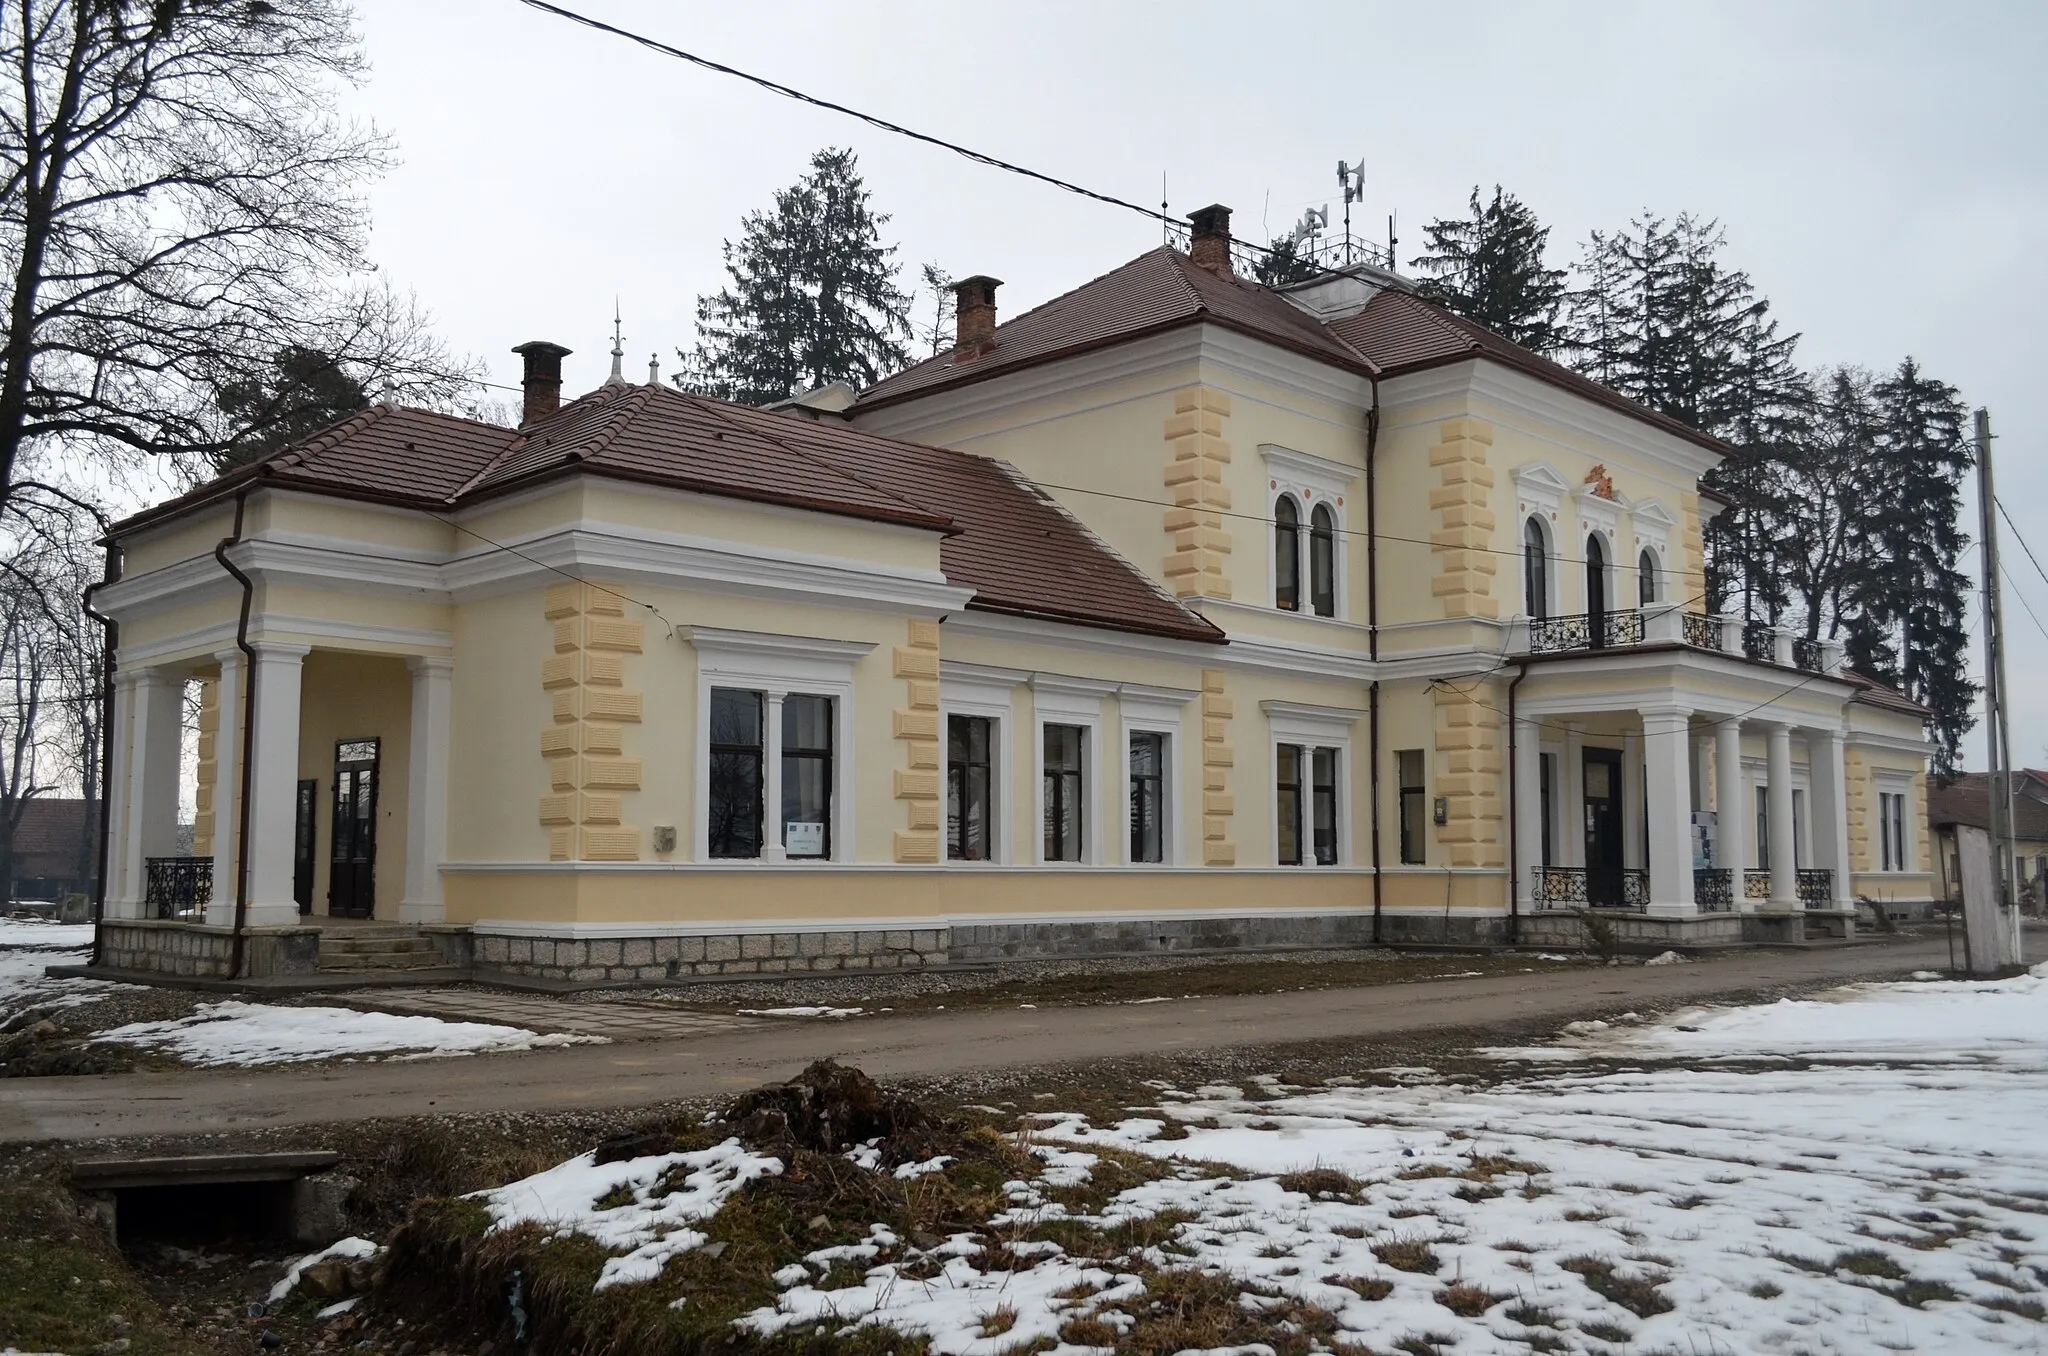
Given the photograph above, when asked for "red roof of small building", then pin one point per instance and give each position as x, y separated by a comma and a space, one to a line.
1017, 549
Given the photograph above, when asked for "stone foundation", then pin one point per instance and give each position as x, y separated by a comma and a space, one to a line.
200, 951
1638, 933
626, 960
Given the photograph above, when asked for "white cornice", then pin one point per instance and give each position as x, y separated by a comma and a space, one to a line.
1336, 626
711, 640
200, 643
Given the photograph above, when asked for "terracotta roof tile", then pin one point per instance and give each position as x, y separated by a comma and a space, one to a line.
1017, 549
1158, 290
1967, 800
1871, 692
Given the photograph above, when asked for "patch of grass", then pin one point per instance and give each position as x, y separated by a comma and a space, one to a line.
1585, 1216
1637, 1294
1467, 1300
1530, 1316
1184, 1310
2009, 1279
1000, 1321
1365, 1287
63, 1287
1765, 1290
1413, 1255
2024, 1308
1323, 1184
1870, 1262
1607, 1332
1805, 1264
1432, 1344
1916, 1293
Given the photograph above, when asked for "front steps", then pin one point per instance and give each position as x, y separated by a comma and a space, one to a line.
376, 948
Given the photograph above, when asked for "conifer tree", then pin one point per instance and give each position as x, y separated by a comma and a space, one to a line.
812, 295
1488, 267
1283, 263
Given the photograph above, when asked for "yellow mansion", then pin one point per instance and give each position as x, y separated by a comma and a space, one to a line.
1175, 613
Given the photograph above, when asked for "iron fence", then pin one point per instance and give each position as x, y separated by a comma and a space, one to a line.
1713, 889
178, 887
1552, 635
1702, 632
1564, 887
1816, 886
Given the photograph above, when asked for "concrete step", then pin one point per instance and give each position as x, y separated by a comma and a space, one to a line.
372, 946
358, 963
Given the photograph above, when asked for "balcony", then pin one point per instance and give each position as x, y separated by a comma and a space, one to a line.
1668, 624
178, 887
1573, 887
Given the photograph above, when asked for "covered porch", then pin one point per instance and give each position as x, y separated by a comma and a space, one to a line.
1679, 786
336, 767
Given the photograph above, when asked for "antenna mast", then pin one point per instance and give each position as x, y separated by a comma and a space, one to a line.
1350, 178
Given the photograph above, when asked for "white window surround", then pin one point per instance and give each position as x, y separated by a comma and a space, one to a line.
1308, 480
1540, 493
1156, 710
1552, 562
977, 690
1312, 727
1059, 700
1886, 781
775, 666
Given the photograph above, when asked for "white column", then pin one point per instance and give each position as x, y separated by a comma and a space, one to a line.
1784, 870
1731, 812
426, 788
123, 890
1830, 811
1528, 776
1667, 758
1572, 851
771, 783
227, 786
155, 742
1632, 801
1702, 753
273, 796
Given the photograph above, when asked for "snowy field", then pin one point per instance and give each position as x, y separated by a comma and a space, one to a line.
27, 948
1678, 1186
237, 1033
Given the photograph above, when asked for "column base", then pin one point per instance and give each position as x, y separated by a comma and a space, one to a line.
422, 911
220, 913
283, 915
1672, 911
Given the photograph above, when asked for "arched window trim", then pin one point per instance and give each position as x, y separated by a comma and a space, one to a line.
1649, 577
1610, 603
1287, 571
1322, 561
1311, 482
1539, 583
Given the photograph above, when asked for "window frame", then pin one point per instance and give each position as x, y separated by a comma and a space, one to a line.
1058, 700
1323, 533
1312, 727
1896, 837
1154, 710
1420, 790
1287, 570
776, 666
1539, 588
991, 813
1162, 784
1649, 580
1310, 482
1047, 798
989, 693
759, 752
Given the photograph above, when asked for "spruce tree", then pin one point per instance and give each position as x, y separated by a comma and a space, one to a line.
1488, 267
1283, 263
1661, 320
812, 296
304, 391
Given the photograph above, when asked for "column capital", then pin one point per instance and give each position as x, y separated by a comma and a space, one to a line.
231, 655
1665, 711
280, 649
429, 664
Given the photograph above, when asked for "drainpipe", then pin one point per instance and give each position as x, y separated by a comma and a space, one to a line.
1514, 817
108, 575
1372, 639
220, 553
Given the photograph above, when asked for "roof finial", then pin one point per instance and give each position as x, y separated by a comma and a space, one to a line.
654, 369
618, 376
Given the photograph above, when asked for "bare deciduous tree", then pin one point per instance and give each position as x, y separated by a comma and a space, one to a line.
181, 209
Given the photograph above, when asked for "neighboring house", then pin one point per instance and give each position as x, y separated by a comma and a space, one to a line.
55, 848
1967, 800
1175, 612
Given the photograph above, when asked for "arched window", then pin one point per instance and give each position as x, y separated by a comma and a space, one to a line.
1535, 570
1596, 591
1646, 578
1286, 554
1322, 561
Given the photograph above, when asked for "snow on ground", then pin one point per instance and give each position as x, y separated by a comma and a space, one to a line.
1894, 1199
801, 1012
347, 1250
640, 1206
27, 948
254, 1033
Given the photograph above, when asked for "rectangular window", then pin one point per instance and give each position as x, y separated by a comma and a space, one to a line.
806, 776
1899, 830
1799, 857
1065, 812
1891, 825
970, 801
1763, 828
1545, 764
1415, 807
1148, 796
734, 812
1323, 785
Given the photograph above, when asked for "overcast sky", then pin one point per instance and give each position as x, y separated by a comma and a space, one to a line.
1879, 167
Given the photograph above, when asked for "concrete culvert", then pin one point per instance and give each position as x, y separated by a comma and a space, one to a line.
214, 1198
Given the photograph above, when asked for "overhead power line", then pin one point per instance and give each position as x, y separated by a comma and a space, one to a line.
2036, 560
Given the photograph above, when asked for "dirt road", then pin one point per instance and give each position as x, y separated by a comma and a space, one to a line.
925, 1044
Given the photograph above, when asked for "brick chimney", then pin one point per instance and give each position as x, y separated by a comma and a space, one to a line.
974, 310
1210, 245
542, 379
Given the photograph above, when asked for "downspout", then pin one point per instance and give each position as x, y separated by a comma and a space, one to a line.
1372, 640
1514, 816
220, 553
110, 574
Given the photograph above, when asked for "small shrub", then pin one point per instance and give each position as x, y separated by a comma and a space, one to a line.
1870, 1262
1600, 935
1408, 1254
1467, 1300
1530, 1316
1322, 1184
1365, 1287
1765, 1290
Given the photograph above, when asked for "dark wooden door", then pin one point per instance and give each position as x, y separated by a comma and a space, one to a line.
303, 828
352, 863
1603, 828
1596, 593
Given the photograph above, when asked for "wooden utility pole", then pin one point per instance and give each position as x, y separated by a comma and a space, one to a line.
2004, 856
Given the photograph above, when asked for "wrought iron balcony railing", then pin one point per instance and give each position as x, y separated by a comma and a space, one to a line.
1713, 889
178, 887
1816, 885
1756, 884
1702, 632
1550, 635
1569, 887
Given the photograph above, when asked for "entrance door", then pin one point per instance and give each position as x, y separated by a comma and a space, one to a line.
352, 869
302, 844
1603, 828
